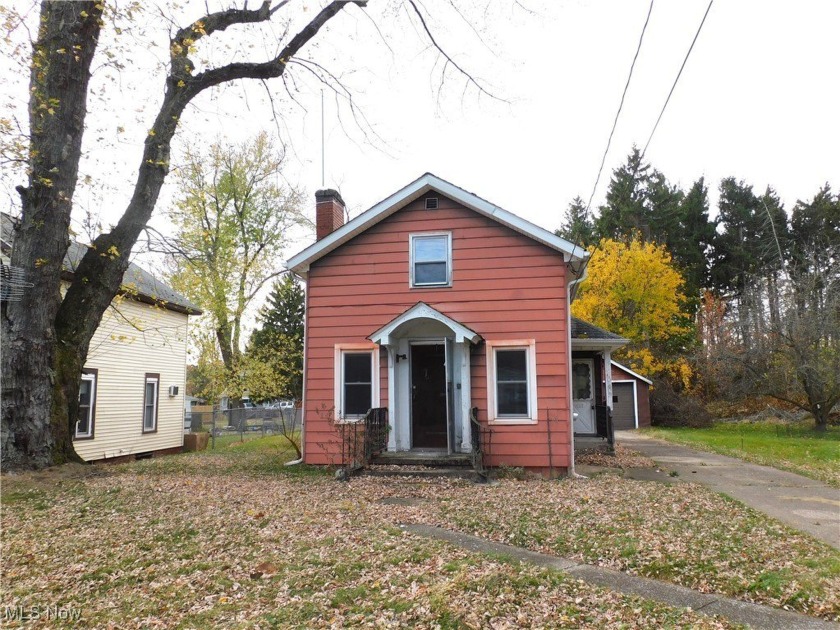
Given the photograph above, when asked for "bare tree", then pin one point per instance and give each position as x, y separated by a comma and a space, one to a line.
802, 365
46, 336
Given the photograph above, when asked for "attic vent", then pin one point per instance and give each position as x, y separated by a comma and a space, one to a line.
431, 203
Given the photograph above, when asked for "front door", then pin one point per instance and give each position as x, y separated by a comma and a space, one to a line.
428, 396
583, 395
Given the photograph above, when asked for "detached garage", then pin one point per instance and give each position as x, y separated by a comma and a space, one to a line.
631, 398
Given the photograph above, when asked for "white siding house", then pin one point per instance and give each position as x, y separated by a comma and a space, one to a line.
133, 382
136, 360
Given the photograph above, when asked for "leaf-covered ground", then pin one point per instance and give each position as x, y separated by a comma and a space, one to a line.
234, 539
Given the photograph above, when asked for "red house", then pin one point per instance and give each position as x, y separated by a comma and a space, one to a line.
440, 307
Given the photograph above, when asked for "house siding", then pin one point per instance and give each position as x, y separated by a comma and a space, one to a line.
132, 340
504, 286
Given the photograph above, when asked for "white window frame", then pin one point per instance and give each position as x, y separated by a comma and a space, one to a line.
155, 379
88, 376
421, 235
338, 377
530, 348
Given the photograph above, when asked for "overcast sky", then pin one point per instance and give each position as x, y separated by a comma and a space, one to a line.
758, 100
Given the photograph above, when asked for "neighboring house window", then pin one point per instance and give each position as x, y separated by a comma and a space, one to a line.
87, 405
150, 403
431, 259
511, 381
356, 380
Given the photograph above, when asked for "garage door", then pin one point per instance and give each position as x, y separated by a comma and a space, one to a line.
624, 412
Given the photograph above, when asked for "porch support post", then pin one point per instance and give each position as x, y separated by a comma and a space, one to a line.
392, 397
608, 378
466, 398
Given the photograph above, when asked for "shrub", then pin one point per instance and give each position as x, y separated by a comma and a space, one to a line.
670, 407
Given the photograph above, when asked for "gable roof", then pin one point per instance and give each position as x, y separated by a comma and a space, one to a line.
148, 288
299, 263
626, 369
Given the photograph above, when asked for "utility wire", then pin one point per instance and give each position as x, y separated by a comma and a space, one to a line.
620, 106
679, 74
614, 125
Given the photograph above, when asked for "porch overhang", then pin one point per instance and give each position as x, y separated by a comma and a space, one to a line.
598, 345
392, 331
589, 337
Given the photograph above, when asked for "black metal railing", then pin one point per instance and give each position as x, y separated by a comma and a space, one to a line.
481, 438
376, 432
362, 440
604, 424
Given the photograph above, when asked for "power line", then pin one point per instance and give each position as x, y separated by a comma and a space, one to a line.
679, 74
620, 105
614, 125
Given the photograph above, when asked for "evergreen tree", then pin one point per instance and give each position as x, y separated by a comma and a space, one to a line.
815, 228
625, 210
662, 211
578, 227
692, 240
279, 340
815, 246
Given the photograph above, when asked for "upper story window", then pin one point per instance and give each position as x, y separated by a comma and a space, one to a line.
431, 259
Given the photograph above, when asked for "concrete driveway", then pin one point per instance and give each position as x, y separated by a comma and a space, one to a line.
810, 506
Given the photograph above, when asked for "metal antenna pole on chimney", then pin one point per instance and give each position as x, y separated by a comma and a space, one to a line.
323, 151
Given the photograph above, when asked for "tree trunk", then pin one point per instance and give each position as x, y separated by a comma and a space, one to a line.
45, 338
820, 413
35, 427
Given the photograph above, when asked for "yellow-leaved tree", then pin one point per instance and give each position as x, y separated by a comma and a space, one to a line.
633, 289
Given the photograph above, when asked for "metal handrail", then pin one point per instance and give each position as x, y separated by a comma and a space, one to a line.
480, 437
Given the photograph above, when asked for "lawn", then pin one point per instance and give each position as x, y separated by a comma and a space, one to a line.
794, 447
234, 538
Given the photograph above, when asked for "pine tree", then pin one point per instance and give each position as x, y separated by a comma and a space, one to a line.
625, 210
577, 227
692, 240
279, 340
815, 228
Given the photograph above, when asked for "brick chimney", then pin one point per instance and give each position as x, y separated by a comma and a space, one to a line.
329, 212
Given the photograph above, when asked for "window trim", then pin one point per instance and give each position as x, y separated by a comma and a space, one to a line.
431, 285
151, 377
530, 347
89, 374
338, 378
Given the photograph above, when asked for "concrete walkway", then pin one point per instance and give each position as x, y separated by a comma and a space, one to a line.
805, 504
753, 615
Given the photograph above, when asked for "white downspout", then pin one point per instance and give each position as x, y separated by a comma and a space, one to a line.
571, 284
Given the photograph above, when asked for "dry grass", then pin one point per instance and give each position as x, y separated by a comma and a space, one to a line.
235, 539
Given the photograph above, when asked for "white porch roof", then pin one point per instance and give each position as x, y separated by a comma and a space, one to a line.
386, 335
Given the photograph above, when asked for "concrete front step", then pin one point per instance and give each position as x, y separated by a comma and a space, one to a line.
428, 460
427, 473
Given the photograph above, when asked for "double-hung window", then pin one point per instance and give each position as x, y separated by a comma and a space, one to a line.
511, 383
87, 405
356, 380
431, 259
150, 403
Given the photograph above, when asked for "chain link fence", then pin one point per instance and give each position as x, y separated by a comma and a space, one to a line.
233, 425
